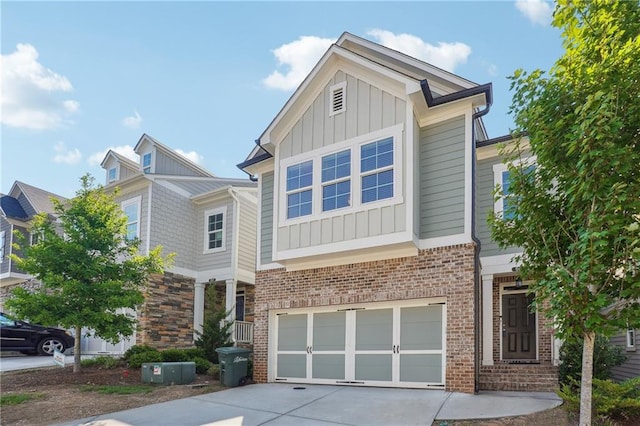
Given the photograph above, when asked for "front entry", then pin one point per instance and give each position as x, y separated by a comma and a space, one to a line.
518, 327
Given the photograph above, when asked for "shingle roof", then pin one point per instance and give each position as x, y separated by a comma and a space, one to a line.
11, 207
39, 198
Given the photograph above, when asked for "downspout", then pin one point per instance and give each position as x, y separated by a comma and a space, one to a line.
234, 261
476, 254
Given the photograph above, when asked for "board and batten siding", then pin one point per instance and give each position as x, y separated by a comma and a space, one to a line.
247, 235
631, 368
219, 259
442, 178
126, 172
6, 227
484, 205
166, 165
266, 218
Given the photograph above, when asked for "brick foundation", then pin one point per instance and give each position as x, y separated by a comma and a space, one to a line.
440, 272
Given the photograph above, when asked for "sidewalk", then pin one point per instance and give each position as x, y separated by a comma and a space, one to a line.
280, 404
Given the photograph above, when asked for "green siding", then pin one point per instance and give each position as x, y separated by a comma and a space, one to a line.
266, 219
442, 178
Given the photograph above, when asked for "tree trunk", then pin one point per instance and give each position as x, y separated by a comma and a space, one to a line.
587, 378
76, 350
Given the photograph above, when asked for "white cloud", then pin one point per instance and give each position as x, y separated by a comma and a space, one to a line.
299, 57
133, 121
125, 150
192, 155
65, 155
443, 55
537, 11
29, 95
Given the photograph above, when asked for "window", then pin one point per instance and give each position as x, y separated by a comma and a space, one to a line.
376, 169
631, 339
36, 237
112, 175
299, 193
501, 178
336, 180
214, 234
131, 209
240, 306
146, 162
2, 243
337, 96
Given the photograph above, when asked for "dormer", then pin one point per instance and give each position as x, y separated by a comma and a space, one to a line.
157, 158
118, 167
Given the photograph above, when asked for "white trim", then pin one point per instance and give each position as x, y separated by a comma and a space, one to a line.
468, 173
269, 266
137, 201
152, 165
3, 241
487, 319
631, 340
207, 214
149, 198
116, 177
235, 236
498, 169
499, 264
448, 240
332, 92
172, 187
198, 307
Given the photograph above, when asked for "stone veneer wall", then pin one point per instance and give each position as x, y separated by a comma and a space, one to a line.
440, 272
166, 317
5, 291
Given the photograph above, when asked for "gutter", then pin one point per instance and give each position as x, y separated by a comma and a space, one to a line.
255, 160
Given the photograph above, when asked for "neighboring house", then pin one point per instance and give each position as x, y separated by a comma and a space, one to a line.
17, 209
628, 341
375, 266
209, 223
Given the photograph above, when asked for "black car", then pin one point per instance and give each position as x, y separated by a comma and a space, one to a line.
32, 338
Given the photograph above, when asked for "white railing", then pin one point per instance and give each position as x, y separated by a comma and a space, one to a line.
243, 332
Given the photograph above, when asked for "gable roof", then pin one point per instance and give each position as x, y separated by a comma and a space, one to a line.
172, 154
130, 164
39, 199
11, 207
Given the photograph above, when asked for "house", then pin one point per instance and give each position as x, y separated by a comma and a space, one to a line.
375, 265
17, 209
208, 222
628, 341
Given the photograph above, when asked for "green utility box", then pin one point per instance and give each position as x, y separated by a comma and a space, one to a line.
169, 373
233, 366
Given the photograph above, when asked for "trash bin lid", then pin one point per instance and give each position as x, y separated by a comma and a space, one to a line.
232, 350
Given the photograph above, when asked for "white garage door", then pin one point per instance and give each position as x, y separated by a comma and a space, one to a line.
371, 345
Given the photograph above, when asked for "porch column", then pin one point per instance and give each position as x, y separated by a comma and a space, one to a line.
487, 319
230, 298
198, 309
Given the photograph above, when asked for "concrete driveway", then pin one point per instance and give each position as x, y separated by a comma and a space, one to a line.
10, 361
281, 404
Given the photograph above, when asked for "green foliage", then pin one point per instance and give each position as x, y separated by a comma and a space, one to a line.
193, 353
174, 355
617, 401
107, 362
117, 389
605, 357
213, 335
18, 398
92, 275
214, 371
202, 365
136, 360
137, 349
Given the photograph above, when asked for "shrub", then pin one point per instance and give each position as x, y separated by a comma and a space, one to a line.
617, 401
193, 353
605, 357
202, 365
174, 355
107, 362
137, 349
213, 335
214, 371
136, 360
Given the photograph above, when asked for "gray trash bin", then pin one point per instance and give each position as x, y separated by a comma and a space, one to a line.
233, 366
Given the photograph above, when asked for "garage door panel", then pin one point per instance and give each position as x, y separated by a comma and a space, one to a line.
329, 330
328, 366
374, 367
421, 328
292, 332
421, 368
292, 365
374, 330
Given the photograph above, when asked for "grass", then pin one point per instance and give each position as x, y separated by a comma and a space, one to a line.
117, 389
18, 398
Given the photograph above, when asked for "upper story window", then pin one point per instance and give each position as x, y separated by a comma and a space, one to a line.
299, 192
131, 209
2, 244
112, 174
146, 162
631, 339
337, 98
214, 232
376, 168
336, 180
501, 178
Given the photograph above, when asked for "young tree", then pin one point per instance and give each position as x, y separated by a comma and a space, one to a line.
576, 215
216, 330
90, 271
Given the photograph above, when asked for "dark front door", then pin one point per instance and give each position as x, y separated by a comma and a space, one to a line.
518, 327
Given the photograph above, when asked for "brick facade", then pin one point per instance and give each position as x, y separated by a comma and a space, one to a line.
166, 317
440, 272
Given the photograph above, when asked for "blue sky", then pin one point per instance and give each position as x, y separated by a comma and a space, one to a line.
206, 78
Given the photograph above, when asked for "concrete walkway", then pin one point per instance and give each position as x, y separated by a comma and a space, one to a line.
282, 404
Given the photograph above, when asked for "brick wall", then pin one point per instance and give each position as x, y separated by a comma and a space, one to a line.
441, 272
166, 317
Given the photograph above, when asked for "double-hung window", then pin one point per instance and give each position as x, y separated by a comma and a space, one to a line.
214, 239
631, 339
2, 243
112, 175
502, 178
299, 191
146, 162
376, 170
336, 180
131, 210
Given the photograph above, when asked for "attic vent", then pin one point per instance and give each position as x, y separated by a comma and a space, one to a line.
338, 101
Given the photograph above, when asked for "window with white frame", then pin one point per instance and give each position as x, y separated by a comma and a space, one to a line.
501, 178
146, 162
376, 170
337, 98
2, 244
299, 192
112, 174
336, 180
214, 232
631, 339
131, 209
